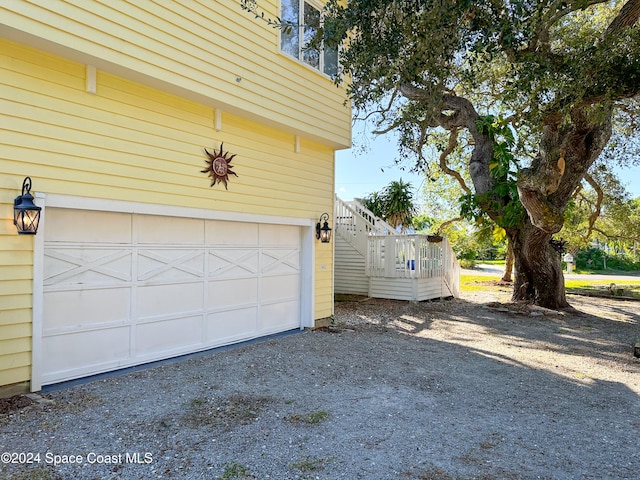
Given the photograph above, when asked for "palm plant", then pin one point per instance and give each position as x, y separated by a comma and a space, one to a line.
394, 204
399, 207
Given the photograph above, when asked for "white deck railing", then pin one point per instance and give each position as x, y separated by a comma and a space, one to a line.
411, 256
392, 255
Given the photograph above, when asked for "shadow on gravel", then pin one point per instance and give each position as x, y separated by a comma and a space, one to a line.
608, 335
551, 393
446, 390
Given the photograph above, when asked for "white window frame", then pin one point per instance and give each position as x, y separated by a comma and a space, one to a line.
320, 69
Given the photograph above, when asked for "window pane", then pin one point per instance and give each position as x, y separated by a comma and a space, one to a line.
331, 61
289, 35
311, 26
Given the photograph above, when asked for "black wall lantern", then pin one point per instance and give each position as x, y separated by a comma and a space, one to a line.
26, 214
323, 233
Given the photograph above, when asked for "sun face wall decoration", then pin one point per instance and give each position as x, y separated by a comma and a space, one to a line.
218, 166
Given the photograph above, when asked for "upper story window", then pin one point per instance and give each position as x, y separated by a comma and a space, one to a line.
306, 20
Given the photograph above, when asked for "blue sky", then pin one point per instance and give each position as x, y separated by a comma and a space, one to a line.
358, 171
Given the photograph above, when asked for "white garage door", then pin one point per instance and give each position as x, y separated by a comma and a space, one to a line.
124, 289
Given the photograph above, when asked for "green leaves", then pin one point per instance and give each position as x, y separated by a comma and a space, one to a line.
394, 204
470, 207
501, 203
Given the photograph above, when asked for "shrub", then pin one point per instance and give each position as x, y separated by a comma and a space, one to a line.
596, 259
467, 263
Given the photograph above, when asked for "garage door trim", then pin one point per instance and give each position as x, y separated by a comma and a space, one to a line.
81, 203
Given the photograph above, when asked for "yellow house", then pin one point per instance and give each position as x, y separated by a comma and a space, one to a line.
142, 253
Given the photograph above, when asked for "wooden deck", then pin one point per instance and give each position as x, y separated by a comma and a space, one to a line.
372, 259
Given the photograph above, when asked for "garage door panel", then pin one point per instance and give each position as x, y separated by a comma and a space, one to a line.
169, 230
151, 287
170, 265
87, 308
280, 316
65, 225
279, 235
220, 232
229, 326
74, 354
233, 292
154, 300
233, 263
87, 266
174, 335
282, 287
280, 261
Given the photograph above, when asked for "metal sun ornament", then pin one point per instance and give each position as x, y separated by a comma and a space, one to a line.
218, 166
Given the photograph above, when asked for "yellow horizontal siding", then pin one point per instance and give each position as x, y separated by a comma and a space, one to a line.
142, 146
13, 257
324, 275
18, 330
201, 47
14, 302
13, 287
133, 143
15, 272
12, 242
7, 228
231, 44
20, 373
15, 348
15, 358
11, 317
16, 258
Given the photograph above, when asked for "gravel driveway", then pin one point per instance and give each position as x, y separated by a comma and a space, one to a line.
438, 390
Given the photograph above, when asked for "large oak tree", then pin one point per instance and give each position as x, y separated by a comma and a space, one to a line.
559, 72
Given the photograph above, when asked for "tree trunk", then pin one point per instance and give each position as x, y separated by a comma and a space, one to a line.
538, 269
508, 267
566, 153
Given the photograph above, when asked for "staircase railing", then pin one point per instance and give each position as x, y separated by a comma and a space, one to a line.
379, 225
355, 223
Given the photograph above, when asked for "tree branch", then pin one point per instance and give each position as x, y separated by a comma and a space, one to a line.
614, 236
581, 144
554, 13
598, 206
625, 87
464, 116
381, 111
453, 143
393, 126
447, 223
542, 178
627, 17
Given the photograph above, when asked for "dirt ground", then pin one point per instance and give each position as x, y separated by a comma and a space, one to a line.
460, 389
594, 342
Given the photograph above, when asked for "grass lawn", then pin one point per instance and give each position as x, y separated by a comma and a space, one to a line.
627, 288
608, 271
491, 262
473, 283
